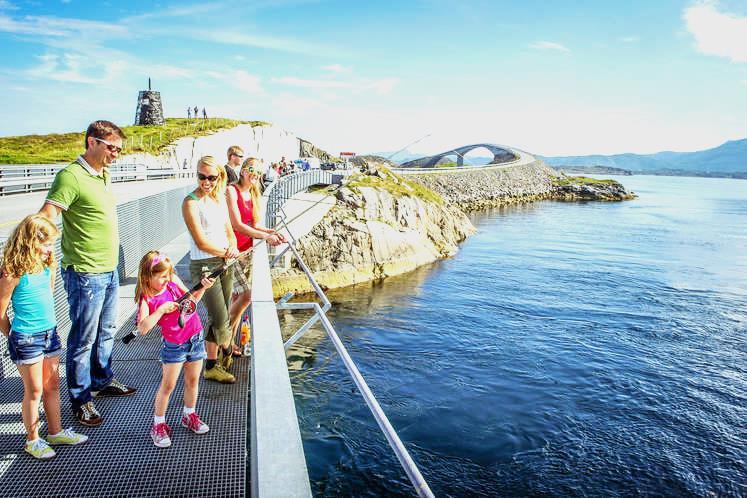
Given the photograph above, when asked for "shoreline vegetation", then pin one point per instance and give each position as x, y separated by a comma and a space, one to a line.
65, 147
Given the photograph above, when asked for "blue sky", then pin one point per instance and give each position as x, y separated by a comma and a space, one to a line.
552, 78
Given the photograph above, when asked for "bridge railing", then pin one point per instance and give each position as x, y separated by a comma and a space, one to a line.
23, 178
282, 189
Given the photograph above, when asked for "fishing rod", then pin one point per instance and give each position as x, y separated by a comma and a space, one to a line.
188, 305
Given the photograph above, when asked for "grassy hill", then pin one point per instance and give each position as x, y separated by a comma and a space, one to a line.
64, 147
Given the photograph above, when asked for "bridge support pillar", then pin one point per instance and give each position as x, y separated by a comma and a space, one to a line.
460, 160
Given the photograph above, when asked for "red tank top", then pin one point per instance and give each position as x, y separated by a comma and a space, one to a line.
244, 202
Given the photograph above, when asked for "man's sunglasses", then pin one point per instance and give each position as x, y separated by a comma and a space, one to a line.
210, 178
110, 146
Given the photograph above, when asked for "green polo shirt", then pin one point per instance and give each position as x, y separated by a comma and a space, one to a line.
90, 236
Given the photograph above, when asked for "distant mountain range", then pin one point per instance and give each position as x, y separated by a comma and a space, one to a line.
728, 158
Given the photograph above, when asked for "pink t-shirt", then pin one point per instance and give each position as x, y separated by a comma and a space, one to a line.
170, 322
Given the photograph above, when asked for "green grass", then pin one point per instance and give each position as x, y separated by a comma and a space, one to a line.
403, 188
64, 147
582, 180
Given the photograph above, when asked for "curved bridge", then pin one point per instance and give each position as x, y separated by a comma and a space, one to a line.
500, 155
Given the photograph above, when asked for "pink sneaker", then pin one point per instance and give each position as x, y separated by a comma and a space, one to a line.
194, 424
161, 435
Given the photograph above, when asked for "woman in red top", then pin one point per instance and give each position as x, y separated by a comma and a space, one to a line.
243, 199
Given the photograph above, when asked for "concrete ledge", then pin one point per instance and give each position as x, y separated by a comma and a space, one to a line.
278, 462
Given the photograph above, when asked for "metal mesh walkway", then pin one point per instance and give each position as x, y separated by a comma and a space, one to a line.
120, 458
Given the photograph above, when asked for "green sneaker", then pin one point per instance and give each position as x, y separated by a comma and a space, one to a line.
219, 375
68, 436
38, 448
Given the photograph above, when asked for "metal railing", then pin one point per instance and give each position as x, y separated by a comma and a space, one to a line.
282, 189
144, 224
320, 315
23, 178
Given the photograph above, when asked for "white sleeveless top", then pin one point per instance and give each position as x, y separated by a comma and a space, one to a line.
213, 218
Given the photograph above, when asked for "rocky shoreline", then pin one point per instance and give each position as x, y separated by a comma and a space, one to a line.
384, 224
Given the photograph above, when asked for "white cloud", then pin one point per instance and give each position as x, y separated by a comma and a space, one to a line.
309, 83
336, 68
247, 82
722, 34
548, 45
59, 27
76, 68
630, 39
380, 86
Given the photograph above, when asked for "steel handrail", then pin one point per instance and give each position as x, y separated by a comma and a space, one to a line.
408, 464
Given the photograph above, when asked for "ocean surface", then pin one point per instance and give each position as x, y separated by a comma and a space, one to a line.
568, 349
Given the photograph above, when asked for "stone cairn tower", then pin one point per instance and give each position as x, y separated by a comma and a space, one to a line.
149, 108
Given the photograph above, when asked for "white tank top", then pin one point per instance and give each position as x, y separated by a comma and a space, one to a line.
213, 217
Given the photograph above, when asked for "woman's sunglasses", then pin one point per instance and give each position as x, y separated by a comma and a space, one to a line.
210, 178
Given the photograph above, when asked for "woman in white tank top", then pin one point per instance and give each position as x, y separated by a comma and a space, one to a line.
211, 242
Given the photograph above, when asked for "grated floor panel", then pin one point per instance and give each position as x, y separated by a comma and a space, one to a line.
120, 458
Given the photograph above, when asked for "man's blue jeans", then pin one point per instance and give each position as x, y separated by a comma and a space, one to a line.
92, 298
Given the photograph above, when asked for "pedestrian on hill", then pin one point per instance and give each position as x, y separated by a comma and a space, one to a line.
204, 113
27, 275
196, 115
82, 193
189, 113
158, 287
211, 243
243, 200
235, 155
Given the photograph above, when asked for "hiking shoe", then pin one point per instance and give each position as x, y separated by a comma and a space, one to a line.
226, 361
68, 436
38, 448
218, 374
161, 435
115, 389
194, 424
88, 415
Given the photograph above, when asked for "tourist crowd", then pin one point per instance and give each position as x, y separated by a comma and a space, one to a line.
222, 217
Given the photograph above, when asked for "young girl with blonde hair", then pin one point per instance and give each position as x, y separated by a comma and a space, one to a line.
158, 287
27, 280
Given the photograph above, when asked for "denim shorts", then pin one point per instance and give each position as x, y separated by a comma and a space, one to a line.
192, 350
26, 349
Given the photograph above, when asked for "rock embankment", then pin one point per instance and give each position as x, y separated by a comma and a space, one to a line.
489, 187
370, 234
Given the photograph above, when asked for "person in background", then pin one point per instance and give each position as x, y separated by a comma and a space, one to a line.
27, 275
158, 287
243, 200
235, 155
212, 241
270, 174
90, 253
189, 113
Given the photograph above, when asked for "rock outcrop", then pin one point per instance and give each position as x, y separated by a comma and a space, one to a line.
371, 234
490, 186
581, 189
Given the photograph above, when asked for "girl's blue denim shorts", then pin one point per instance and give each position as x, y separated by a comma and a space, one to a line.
192, 350
26, 349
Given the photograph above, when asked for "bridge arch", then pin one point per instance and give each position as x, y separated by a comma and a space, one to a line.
500, 155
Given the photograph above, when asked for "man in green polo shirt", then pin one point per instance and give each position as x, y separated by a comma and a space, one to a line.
81, 192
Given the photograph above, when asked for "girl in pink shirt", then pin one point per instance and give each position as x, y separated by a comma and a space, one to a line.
158, 287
